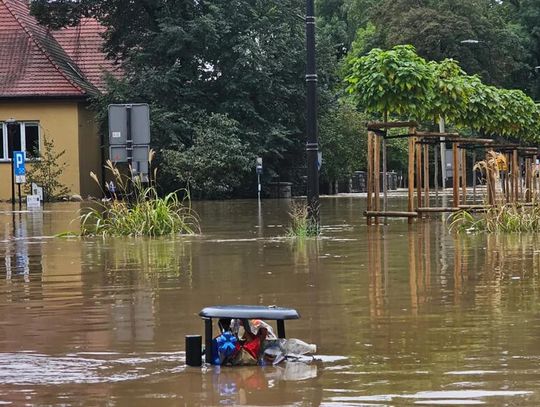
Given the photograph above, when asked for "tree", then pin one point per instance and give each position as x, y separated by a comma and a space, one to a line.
343, 147
399, 81
47, 170
450, 91
214, 166
528, 16
394, 81
241, 58
437, 28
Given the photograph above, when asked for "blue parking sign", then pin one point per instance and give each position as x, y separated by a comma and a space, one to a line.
20, 170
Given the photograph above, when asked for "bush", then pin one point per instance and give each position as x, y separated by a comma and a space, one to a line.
46, 171
216, 164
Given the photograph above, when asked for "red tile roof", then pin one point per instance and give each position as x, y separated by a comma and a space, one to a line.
37, 62
84, 45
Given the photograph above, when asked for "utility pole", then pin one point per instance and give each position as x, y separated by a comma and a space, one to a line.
312, 145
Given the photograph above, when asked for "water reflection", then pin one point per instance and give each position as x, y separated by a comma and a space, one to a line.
252, 385
410, 314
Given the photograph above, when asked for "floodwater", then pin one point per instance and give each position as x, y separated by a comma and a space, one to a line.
402, 315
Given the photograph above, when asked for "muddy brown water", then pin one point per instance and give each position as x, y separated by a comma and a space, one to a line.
402, 315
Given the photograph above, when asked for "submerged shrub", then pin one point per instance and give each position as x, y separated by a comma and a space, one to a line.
509, 218
300, 224
140, 212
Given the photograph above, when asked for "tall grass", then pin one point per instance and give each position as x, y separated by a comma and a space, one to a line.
500, 217
137, 210
509, 218
490, 169
301, 226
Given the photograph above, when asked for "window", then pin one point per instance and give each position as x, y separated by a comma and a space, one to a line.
31, 140
19, 136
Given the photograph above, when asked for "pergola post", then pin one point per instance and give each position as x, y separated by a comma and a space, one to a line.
455, 175
412, 141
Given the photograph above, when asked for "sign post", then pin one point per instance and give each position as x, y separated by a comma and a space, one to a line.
20, 171
129, 136
259, 169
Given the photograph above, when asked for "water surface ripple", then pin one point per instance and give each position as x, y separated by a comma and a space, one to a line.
402, 314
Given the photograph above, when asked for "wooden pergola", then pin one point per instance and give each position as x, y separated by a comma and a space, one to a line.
419, 143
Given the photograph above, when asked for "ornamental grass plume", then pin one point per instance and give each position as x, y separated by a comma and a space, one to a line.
490, 169
300, 226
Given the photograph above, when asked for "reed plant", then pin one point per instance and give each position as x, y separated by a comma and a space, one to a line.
301, 226
490, 168
136, 209
508, 218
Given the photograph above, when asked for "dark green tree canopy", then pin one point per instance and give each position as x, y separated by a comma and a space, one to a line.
244, 59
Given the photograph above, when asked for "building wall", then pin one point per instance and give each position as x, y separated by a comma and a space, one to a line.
89, 152
59, 120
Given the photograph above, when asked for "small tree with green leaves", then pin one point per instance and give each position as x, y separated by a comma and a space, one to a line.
394, 81
46, 171
449, 92
343, 151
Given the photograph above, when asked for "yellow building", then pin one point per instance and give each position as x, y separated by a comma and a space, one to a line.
46, 80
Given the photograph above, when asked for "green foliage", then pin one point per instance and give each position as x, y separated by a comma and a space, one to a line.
301, 226
527, 26
500, 219
143, 213
47, 170
437, 27
344, 150
190, 59
399, 81
450, 93
394, 81
503, 112
217, 161
245, 59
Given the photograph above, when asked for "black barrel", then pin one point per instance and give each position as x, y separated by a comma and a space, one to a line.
193, 350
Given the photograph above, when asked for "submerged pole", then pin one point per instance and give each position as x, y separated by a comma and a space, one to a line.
436, 173
410, 174
443, 152
377, 175
474, 177
455, 173
312, 145
385, 178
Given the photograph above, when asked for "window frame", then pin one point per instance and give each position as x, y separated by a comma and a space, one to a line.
22, 130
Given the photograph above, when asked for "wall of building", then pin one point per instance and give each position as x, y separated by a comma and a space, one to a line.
89, 152
58, 120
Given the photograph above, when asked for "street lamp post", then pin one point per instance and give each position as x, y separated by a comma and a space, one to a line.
312, 145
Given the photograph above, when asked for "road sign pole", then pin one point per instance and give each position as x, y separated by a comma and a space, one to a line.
12, 179
20, 198
129, 140
259, 170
